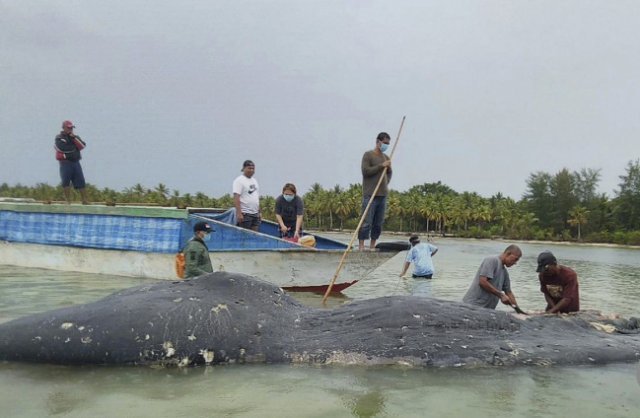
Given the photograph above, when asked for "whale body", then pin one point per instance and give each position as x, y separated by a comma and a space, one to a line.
233, 318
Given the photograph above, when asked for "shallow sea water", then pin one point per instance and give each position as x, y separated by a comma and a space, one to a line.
609, 281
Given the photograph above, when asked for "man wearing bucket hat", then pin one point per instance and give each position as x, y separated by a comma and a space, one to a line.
196, 252
558, 283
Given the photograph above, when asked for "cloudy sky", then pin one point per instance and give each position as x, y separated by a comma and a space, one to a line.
182, 92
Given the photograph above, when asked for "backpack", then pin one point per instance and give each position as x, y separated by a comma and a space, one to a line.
180, 265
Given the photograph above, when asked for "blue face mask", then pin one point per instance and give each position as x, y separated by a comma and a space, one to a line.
207, 237
288, 197
383, 147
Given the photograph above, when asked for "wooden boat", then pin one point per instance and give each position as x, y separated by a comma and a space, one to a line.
142, 241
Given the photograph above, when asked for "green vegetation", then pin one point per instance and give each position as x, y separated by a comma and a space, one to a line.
560, 207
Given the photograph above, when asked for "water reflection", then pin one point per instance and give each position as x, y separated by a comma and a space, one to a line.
367, 404
609, 281
314, 300
25, 290
293, 391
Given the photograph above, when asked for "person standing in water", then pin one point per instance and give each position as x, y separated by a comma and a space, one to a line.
492, 283
420, 255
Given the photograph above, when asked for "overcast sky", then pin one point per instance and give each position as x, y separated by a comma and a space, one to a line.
182, 92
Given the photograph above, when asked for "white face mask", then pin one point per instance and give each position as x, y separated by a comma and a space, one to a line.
288, 197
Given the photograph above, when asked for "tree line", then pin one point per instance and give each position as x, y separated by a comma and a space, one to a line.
557, 207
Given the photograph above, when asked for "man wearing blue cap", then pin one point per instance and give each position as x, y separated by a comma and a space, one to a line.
196, 252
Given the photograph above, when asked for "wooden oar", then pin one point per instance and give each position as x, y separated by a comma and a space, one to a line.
364, 214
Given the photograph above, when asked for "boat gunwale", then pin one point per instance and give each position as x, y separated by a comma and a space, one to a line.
76, 209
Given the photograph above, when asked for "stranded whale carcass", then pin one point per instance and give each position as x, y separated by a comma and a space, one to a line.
234, 318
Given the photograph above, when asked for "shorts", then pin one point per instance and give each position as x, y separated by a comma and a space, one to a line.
71, 173
251, 221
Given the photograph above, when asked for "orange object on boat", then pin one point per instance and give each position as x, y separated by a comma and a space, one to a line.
307, 241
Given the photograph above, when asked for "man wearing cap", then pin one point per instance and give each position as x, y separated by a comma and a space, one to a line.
246, 197
492, 283
68, 146
196, 252
420, 255
373, 164
558, 283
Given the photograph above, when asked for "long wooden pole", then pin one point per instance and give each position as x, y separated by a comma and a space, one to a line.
362, 218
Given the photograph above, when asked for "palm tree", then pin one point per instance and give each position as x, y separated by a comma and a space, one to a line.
523, 223
342, 207
395, 208
175, 198
226, 201
428, 209
354, 200
505, 213
202, 201
268, 207
313, 205
412, 205
188, 199
139, 192
109, 196
482, 214
457, 212
578, 216
327, 202
442, 209
160, 194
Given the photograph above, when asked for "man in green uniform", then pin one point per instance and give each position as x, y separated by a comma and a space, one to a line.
196, 253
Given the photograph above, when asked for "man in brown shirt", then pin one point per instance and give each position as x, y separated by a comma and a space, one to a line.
558, 283
373, 164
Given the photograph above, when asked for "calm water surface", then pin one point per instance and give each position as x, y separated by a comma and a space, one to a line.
609, 281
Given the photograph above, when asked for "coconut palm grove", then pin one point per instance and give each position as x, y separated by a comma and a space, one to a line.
555, 207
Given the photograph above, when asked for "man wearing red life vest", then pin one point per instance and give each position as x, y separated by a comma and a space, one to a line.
68, 146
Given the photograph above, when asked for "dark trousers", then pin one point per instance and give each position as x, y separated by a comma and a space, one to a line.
372, 225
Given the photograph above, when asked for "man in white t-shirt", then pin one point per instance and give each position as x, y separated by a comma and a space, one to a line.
246, 197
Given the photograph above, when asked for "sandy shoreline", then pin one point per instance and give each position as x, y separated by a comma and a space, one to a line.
406, 236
